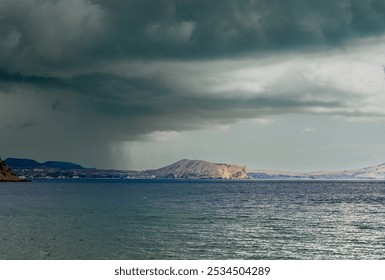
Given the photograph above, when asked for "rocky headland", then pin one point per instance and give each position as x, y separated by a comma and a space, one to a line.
200, 169
6, 174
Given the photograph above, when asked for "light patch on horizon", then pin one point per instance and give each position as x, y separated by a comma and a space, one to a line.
224, 127
262, 121
164, 136
308, 130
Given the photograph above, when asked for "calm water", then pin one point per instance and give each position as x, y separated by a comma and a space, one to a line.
192, 219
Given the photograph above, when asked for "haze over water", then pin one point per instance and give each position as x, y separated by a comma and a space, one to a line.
192, 219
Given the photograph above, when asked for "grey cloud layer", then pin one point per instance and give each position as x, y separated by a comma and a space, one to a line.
164, 104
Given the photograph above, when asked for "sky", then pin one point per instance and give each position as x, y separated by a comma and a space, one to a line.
271, 84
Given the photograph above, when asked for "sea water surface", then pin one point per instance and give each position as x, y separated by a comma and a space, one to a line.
192, 219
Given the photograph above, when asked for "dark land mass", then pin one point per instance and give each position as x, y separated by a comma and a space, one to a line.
21, 163
31, 169
7, 175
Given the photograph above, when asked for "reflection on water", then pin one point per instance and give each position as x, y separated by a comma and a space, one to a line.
192, 219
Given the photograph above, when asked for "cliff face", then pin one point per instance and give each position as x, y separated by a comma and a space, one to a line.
6, 174
200, 169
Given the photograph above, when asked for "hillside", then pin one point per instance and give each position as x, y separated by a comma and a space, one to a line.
6, 174
200, 169
367, 173
21, 163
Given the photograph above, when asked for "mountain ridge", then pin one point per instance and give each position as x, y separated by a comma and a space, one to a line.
22, 163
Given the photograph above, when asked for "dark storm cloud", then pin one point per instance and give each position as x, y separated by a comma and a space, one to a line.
203, 29
40, 35
23, 125
43, 35
59, 58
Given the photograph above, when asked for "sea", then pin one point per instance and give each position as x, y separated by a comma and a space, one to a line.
192, 219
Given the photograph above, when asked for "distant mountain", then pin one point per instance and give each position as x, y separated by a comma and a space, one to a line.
368, 173
200, 169
6, 174
21, 163
61, 165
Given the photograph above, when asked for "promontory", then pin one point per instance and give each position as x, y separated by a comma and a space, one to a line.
199, 169
6, 174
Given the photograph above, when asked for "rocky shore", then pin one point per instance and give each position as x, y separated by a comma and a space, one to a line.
6, 174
